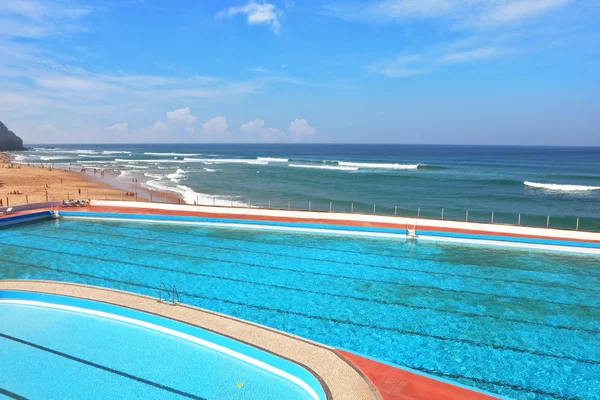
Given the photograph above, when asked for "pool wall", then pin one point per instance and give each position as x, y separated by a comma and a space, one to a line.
22, 218
357, 224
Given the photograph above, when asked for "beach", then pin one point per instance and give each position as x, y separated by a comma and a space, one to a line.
23, 184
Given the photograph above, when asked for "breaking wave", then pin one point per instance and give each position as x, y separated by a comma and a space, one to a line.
173, 154
177, 176
379, 165
561, 188
271, 159
329, 167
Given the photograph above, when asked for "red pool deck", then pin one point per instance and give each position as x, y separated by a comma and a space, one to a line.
398, 384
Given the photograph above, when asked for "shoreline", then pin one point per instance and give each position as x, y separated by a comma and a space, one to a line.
23, 184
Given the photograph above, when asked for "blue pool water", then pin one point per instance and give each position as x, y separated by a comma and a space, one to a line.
50, 353
521, 323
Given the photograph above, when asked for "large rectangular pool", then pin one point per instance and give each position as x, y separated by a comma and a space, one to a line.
520, 323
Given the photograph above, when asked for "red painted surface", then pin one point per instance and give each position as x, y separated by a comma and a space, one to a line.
126, 210
397, 384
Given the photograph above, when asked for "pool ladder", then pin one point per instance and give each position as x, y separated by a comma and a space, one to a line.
411, 230
172, 295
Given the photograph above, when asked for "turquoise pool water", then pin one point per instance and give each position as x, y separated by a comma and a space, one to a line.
50, 353
524, 324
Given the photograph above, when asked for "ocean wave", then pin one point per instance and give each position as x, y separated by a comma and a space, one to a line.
90, 155
177, 176
135, 166
96, 162
116, 152
225, 160
173, 154
47, 158
189, 195
378, 165
153, 176
561, 188
271, 159
329, 167
209, 170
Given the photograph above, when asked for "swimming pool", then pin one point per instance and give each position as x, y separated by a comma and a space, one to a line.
57, 347
524, 324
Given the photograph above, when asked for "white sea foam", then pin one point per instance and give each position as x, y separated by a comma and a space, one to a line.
379, 165
116, 152
190, 196
225, 160
330, 167
270, 159
209, 170
154, 176
90, 155
135, 166
561, 188
47, 158
172, 154
177, 176
96, 162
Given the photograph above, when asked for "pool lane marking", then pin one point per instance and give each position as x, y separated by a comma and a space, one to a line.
132, 221
420, 286
366, 299
341, 321
93, 364
190, 338
12, 395
548, 284
350, 297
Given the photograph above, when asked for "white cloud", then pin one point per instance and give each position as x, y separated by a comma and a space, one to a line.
160, 127
257, 13
36, 19
516, 10
470, 55
121, 128
464, 13
299, 128
181, 115
256, 130
401, 67
191, 131
215, 126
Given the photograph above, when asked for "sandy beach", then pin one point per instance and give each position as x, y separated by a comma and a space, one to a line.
22, 184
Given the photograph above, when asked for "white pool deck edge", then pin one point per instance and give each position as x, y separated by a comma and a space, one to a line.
421, 224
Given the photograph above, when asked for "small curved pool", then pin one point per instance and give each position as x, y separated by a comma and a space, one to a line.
56, 347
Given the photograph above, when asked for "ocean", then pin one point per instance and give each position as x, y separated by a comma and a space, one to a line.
562, 183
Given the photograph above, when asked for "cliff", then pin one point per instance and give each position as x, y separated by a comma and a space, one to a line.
8, 140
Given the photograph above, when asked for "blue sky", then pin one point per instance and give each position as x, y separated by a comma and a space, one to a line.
382, 71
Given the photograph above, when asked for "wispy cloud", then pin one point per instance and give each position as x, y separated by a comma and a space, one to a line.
470, 55
432, 60
401, 67
36, 19
461, 13
256, 14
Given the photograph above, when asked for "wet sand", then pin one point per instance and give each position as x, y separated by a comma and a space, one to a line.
22, 184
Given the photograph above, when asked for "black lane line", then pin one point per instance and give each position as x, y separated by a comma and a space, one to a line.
364, 265
367, 299
372, 300
426, 370
12, 395
102, 367
340, 251
341, 321
414, 286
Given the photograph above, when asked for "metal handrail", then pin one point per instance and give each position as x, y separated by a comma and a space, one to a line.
162, 286
174, 293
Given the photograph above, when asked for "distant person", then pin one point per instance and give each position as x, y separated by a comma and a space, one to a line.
79, 191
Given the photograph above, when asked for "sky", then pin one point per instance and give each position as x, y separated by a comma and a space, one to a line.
519, 72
